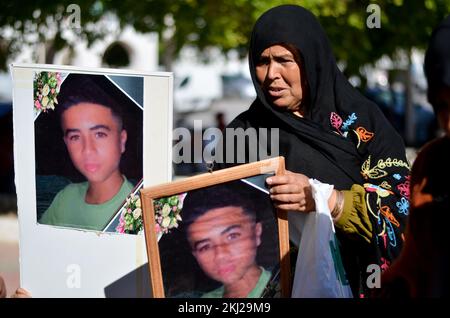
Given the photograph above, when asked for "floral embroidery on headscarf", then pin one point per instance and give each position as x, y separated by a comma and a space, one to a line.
341, 126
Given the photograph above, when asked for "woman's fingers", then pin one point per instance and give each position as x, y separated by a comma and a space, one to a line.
288, 178
287, 198
21, 293
276, 180
2, 288
291, 192
286, 188
289, 207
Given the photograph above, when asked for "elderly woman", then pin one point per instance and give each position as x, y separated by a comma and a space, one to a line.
330, 132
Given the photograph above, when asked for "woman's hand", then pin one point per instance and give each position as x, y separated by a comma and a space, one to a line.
21, 293
2, 288
291, 192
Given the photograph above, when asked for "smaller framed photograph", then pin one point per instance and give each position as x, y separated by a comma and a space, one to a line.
217, 235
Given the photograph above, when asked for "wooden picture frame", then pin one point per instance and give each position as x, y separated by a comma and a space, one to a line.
150, 195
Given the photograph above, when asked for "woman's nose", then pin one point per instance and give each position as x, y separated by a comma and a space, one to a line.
273, 71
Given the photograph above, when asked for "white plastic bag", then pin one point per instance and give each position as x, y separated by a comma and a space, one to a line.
319, 272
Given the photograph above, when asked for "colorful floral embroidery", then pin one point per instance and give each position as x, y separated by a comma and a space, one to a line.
403, 206
385, 264
372, 173
378, 170
370, 209
385, 185
386, 211
339, 125
391, 234
384, 237
392, 162
336, 121
404, 189
380, 191
386, 216
350, 120
363, 134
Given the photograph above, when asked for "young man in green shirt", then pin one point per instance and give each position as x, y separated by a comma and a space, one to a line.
224, 234
95, 138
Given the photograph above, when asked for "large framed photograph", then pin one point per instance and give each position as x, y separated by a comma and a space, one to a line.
91, 125
82, 136
217, 235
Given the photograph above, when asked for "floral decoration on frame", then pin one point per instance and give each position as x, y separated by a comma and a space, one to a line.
130, 221
46, 88
167, 213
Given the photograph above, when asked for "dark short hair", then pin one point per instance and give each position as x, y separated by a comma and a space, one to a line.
95, 89
437, 62
234, 193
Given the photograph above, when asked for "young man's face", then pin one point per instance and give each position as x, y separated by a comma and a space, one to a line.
224, 241
94, 140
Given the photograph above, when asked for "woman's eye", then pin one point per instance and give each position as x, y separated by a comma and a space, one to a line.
263, 61
284, 60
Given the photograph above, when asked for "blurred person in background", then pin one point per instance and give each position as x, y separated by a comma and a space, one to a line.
422, 270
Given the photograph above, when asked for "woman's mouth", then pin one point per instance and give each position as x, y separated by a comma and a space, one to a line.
275, 91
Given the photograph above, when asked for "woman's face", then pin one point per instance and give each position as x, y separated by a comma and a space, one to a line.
279, 76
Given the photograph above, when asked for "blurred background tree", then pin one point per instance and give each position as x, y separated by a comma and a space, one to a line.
225, 24
47, 27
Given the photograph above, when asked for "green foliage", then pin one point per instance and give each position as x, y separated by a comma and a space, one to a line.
227, 24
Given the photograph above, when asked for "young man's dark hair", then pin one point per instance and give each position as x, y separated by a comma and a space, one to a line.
235, 193
95, 89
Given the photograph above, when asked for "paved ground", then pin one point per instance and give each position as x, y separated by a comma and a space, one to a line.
9, 251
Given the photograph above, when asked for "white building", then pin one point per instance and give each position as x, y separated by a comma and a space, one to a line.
141, 51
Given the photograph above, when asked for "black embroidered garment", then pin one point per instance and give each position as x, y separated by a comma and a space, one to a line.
343, 138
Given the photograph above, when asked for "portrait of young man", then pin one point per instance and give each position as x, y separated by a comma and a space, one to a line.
224, 227
96, 126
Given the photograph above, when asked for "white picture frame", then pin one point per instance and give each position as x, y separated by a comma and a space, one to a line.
67, 262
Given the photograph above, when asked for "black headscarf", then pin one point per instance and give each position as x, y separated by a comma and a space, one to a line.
437, 60
343, 138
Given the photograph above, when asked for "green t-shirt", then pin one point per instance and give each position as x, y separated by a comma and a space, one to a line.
69, 208
254, 293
